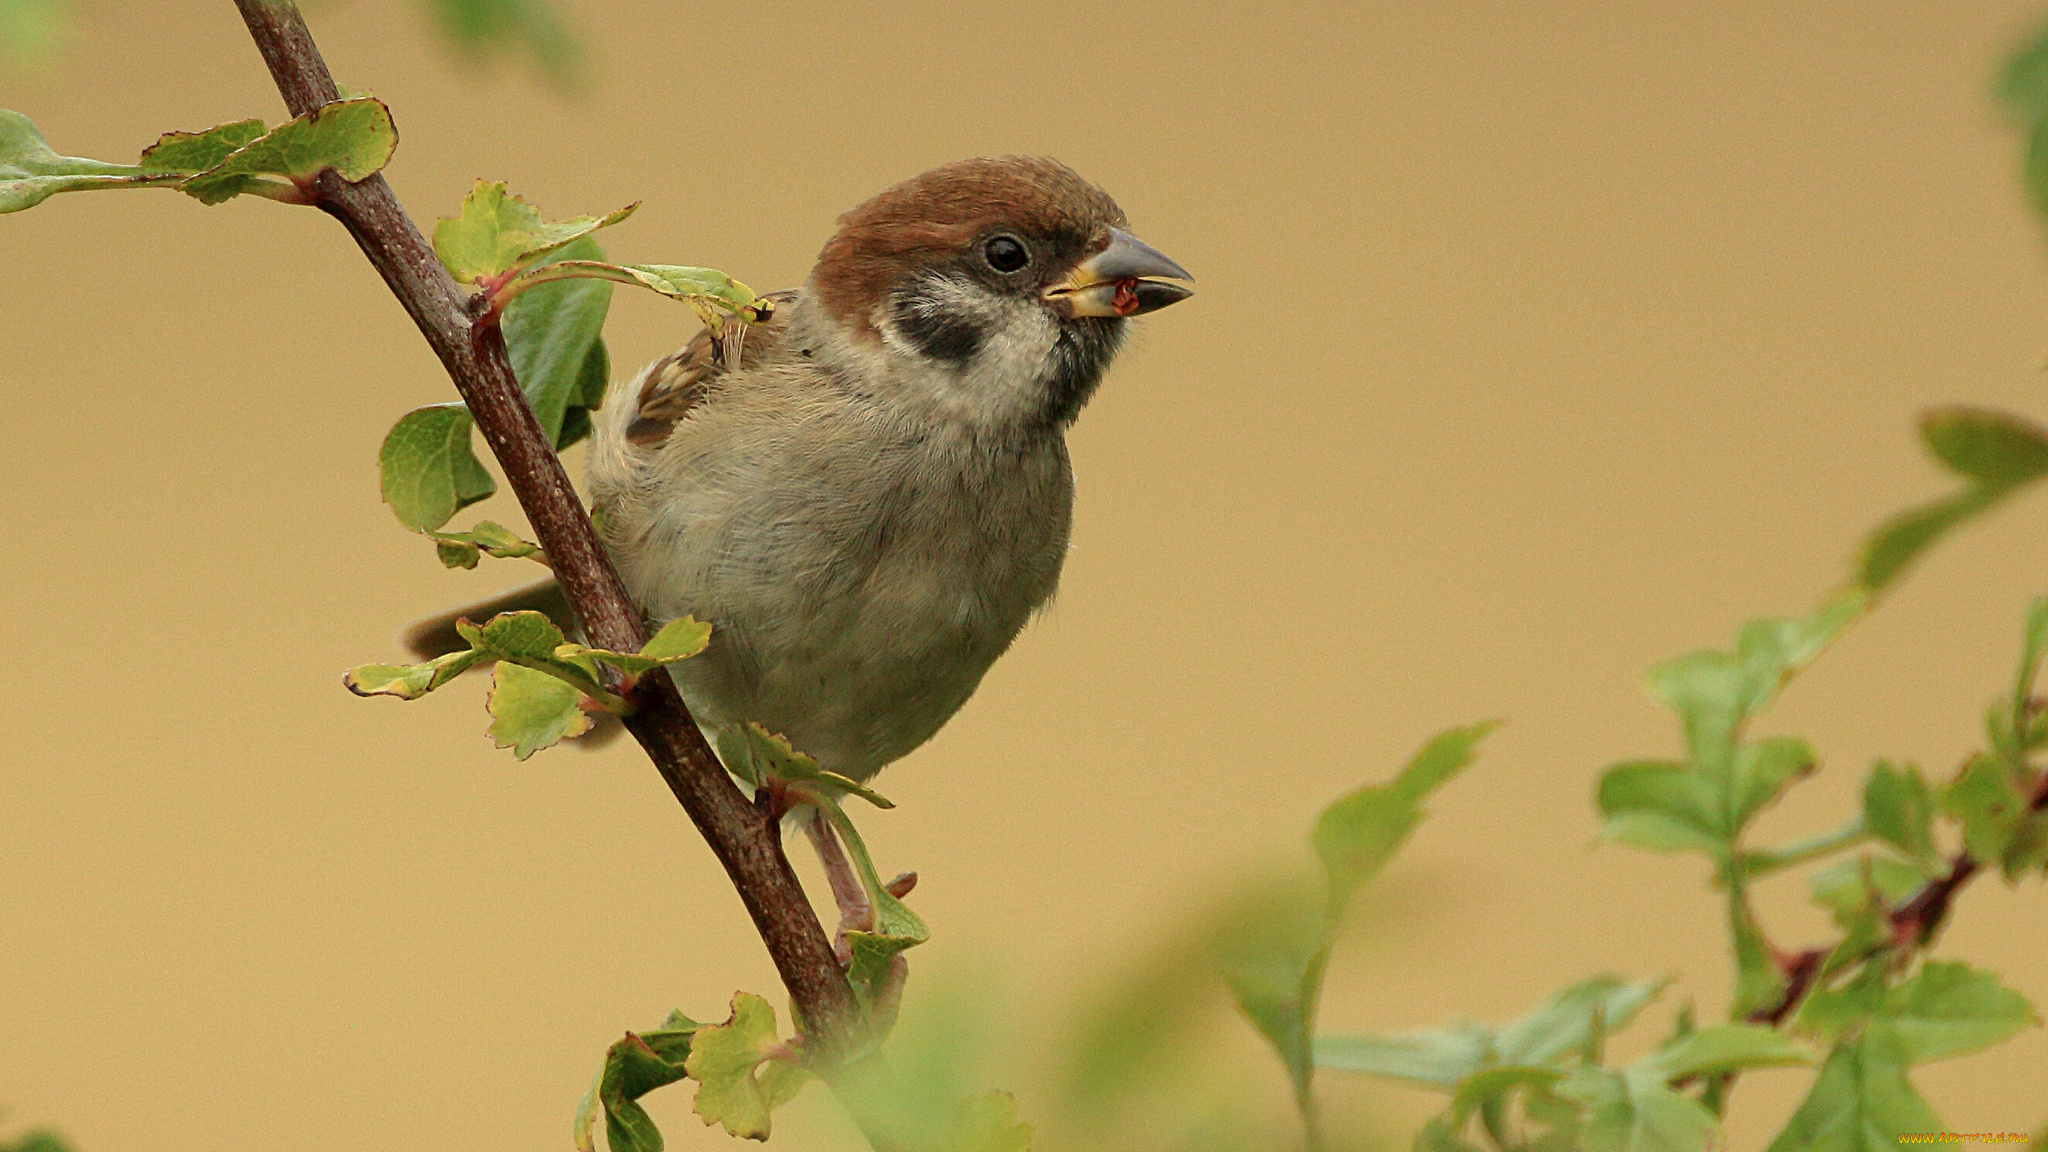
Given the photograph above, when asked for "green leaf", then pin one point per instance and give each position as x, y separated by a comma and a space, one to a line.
1637, 1111
409, 681
463, 549
633, 1067
711, 292
1271, 954
497, 232
481, 27
30, 172
2022, 83
1663, 807
531, 639
1440, 1135
988, 1123
1494, 1085
192, 152
756, 754
426, 468
2015, 728
1947, 1009
352, 138
1898, 807
553, 335
1715, 693
1726, 1048
1995, 449
1565, 1021
1359, 833
1273, 957
1439, 1056
1561, 1027
40, 1140
679, 640
1995, 452
742, 1070
1990, 805
532, 710
1860, 1102
1764, 770
1847, 886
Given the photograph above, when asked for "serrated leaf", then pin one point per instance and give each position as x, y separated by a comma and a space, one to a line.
727, 1060
532, 710
1726, 1048
1663, 807
193, 152
352, 138
755, 754
1715, 693
554, 336
1847, 886
409, 681
1637, 1112
1989, 804
496, 232
711, 292
1898, 807
1860, 1102
427, 469
531, 639
30, 172
489, 234
464, 549
1764, 769
1439, 1056
633, 1067
678, 640
1360, 832
1947, 1009
988, 1123
872, 971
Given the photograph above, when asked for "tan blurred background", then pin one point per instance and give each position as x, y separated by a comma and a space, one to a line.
1534, 343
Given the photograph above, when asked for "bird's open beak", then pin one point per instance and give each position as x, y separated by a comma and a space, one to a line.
1119, 280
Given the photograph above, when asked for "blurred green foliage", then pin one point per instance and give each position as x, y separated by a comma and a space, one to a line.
1863, 1009
33, 31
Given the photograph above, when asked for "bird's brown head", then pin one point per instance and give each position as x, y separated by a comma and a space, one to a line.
1002, 265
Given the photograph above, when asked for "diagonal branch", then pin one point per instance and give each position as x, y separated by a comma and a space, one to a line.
745, 840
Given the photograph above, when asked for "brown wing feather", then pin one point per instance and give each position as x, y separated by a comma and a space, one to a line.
678, 382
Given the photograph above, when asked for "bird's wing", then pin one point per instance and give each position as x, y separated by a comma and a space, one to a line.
676, 384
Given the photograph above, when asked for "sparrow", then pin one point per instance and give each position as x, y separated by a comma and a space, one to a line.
868, 493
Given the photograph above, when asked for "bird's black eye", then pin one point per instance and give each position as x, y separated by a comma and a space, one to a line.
1006, 254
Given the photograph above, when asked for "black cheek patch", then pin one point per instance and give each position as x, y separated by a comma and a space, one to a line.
1085, 348
922, 318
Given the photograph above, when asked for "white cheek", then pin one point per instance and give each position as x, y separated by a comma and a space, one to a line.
1003, 382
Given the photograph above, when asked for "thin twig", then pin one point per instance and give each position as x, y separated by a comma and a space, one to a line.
748, 845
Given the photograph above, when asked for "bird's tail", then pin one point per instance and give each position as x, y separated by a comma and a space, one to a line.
436, 635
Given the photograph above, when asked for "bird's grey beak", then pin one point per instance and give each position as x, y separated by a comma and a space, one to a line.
1119, 281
